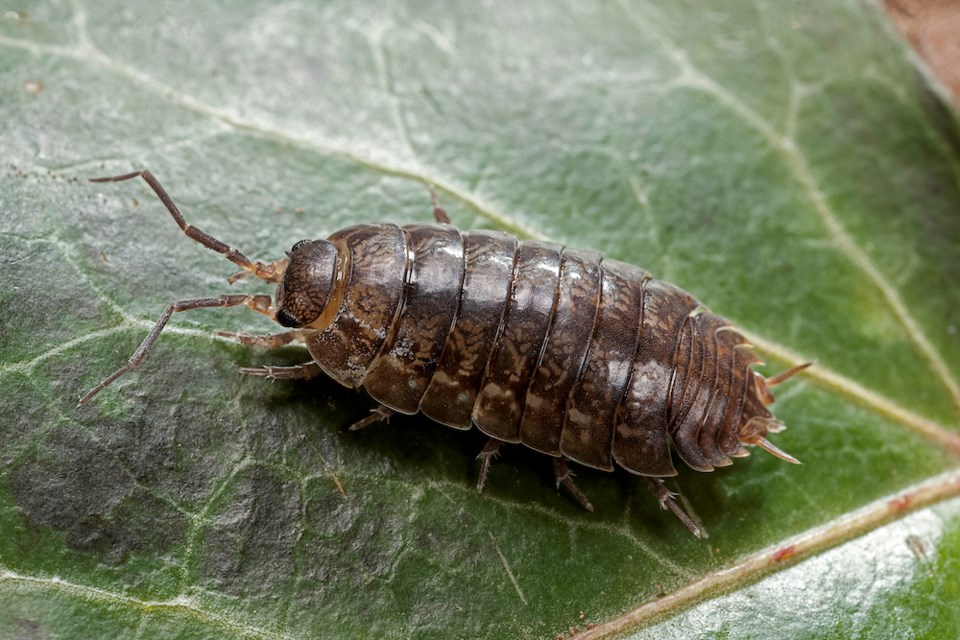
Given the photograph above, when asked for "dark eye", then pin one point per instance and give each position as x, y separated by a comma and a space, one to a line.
287, 319
300, 244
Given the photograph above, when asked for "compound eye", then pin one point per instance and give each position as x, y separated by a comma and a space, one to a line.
300, 244
287, 319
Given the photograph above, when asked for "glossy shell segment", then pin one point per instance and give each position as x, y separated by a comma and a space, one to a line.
574, 355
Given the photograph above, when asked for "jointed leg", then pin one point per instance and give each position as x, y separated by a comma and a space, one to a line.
272, 341
487, 454
666, 498
272, 272
296, 372
780, 378
378, 414
259, 303
565, 477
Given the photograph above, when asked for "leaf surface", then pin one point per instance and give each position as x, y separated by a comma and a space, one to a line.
785, 163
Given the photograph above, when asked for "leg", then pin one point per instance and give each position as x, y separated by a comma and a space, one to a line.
666, 498
272, 341
439, 214
487, 454
296, 372
378, 414
565, 477
269, 272
259, 303
780, 378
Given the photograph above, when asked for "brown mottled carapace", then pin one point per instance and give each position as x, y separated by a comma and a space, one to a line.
559, 349
572, 354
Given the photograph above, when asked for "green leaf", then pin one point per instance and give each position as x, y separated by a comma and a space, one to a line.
784, 162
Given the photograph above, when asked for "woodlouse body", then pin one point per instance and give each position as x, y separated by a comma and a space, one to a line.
559, 349
580, 357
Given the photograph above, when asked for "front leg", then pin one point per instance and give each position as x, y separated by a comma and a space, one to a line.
297, 372
272, 341
259, 303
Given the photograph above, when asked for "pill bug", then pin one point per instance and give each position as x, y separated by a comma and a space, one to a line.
578, 356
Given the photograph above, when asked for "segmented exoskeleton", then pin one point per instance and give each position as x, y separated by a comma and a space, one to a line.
572, 354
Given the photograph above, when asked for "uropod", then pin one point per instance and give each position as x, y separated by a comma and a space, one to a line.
581, 357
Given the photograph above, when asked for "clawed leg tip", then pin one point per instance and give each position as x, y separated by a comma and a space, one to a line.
377, 414
90, 395
667, 498
360, 424
564, 476
240, 275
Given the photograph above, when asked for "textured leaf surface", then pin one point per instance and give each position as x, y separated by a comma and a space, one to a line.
782, 161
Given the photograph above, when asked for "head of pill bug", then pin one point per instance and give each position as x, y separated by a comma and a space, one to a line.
308, 283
